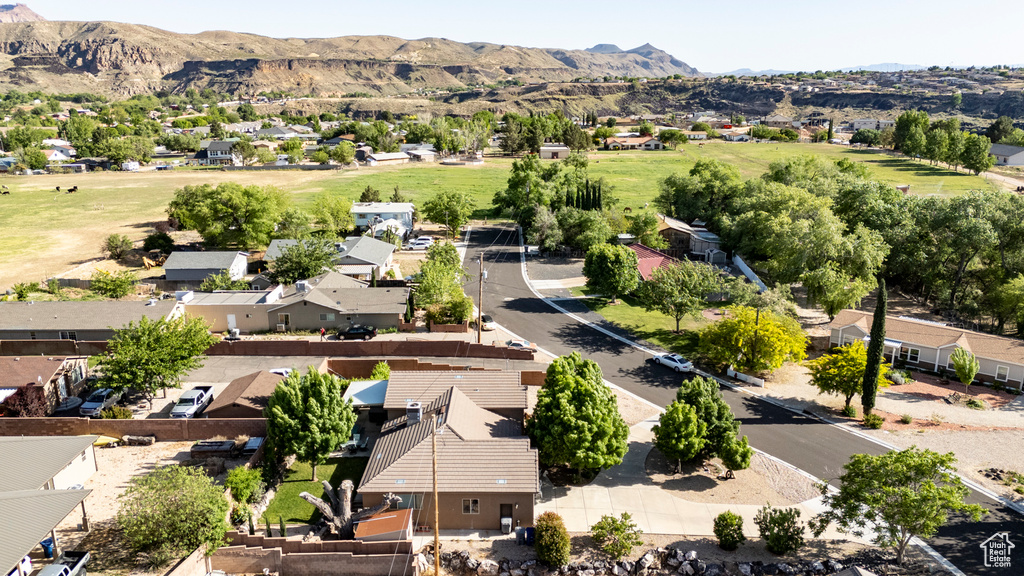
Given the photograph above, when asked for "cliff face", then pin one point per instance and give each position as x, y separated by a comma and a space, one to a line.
126, 59
18, 13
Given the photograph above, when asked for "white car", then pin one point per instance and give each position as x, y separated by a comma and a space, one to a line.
421, 243
674, 361
521, 345
98, 401
487, 323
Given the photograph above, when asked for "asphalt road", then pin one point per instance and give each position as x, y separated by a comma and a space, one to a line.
807, 443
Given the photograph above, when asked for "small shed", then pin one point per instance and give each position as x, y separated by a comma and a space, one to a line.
554, 152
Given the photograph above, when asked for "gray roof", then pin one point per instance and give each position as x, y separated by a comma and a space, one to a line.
381, 207
1006, 150
29, 516
277, 247
369, 250
220, 146
229, 297
477, 451
70, 315
201, 260
37, 459
354, 300
492, 390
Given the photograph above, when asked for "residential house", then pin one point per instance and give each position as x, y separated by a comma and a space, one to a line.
218, 153
245, 397
198, 266
270, 145
226, 310
925, 345
741, 135
360, 257
487, 474
313, 305
554, 152
332, 142
367, 214
695, 135
1007, 155
7, 163
778, 121
72, 320
387, 158
871, 124
694, 240
51, 379
422, 155
43, 492
649, 260
640, 143
501, 392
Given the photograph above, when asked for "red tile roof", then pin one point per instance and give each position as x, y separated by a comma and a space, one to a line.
649, 259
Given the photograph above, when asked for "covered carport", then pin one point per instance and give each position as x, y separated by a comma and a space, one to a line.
30, 516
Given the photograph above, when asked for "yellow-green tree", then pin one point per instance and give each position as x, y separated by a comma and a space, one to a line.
753, 340
842, 372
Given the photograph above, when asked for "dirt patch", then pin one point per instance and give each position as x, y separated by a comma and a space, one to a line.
765, 481
932, 388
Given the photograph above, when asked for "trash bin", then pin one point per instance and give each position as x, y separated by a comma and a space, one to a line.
529, 536
47, 545
520, 535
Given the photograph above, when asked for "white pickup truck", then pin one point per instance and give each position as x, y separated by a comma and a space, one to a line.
193, 402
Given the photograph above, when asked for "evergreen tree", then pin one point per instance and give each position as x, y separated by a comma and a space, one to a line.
570, 199
600, 199
875, 350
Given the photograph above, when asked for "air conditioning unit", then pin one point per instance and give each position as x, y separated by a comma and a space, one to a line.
413, 412
281, 327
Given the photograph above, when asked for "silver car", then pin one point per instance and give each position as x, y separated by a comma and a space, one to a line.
98, 401
674, 361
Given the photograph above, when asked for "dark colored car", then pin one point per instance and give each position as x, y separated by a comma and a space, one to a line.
357, 332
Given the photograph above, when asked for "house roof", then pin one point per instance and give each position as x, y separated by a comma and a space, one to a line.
554, 147
351, 300
649, 259
366, 249
382, 156
639, 141
487, 389
16, 372
29, 516
217, 260
477, 451
37, 459
934, 335
1005, 150
230, 297
70, 315
381, 207
778, 118
220, 146
384, 523
249, 391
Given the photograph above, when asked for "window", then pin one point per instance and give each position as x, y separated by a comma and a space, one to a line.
910, 354
361, 216
949, 363
68, 335
248, 315
32, 335
414, 501
1002, 372
470, 506
848, 339
327, 317
83, 456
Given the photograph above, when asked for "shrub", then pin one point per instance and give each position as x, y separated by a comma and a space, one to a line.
849, 411
117, 245
282, 526
551, 540
616, 536
53, 287
116, 413
117, 285
907, 419
158, 241
381, 371
729, 530
736, 454
873, 421
240, 514
780, 528
22, 290
244, 483
896, 377
975, 403
26, 402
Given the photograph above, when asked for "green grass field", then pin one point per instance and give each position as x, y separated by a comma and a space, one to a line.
653, 327
286, 502
43, 233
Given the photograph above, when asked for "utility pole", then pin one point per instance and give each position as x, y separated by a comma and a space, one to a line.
437, 538
480, 303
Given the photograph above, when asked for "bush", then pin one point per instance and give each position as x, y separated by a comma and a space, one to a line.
117, 245
158, 241
53, 287
616, 536
551, 540
381, 371
729, 530
245, 484
975, 403
780, 529
22, 290
240, 515
117, 285
873, 421
736, 454
27, 402
116, 413
907, 419
849, 411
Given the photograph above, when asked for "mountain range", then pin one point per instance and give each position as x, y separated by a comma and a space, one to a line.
125, 59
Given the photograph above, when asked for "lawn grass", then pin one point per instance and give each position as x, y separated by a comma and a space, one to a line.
286, 502
44, 233
653, 327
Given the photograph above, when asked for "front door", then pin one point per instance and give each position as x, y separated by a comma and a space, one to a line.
506, 510
231, 322
286, 320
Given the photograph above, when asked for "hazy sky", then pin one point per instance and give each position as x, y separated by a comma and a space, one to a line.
713, 36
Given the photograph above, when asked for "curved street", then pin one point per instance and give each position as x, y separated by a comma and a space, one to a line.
816, 447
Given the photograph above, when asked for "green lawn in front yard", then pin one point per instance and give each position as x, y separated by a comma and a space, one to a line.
653, 327
287, 503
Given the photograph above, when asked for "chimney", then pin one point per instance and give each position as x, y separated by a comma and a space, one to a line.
413, 412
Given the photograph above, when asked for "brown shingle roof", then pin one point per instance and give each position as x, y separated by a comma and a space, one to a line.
477, 451
933, 335
492, 390
16, 372
249, 391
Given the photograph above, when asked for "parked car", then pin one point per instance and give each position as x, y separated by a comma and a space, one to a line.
193, 402
521, 345
674, 361
487, 323
357, 332
280, 371
69, 564
99, 401
421, 243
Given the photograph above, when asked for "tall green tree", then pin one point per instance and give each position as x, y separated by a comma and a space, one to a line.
876, 347
332, 213
680, 289
611, 270
895, 496
833, 290
305, 259
576, 422
307, 417
1000, 129
644, 227
230, 215
976, 157
966, 366
703, 396
842, 371
753, 340
151, 355
451, 208
679, 434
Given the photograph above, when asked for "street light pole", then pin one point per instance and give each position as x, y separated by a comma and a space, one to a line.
480, 303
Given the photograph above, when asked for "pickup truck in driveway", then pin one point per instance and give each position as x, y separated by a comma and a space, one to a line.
193, 402
69, 564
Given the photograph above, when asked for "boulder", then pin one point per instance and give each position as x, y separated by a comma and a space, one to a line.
588, 572
745, 568
487, 568
627, 565
517, 572
691, 555
687, 569
472, 564
833, 566
713, 570
646, 561
672, 561
619, 571
785, 569
817, 567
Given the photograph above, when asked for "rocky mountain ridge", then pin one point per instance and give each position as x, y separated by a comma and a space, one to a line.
18, 13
